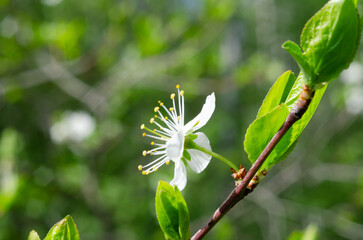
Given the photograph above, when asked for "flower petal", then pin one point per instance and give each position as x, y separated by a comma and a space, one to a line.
180, 175
175, 146
202, 118
199, 160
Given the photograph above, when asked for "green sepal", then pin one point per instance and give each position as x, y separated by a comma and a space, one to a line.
172, 212
186, 155
65, 229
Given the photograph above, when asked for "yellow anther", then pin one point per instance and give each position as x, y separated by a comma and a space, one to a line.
142, 126
151, 154
171, 109
178, 117
143, 173
155, 169
161, 103
152, 120
166, 118
156, 116
144, 134
147, 172
144, 153
167, 162
181, 93
152, 143
172, 96
178, 86
154, 130
140, 167
156, 109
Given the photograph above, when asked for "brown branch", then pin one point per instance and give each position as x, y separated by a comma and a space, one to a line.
241, 190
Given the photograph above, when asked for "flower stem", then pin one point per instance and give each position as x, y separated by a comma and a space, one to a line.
192, 145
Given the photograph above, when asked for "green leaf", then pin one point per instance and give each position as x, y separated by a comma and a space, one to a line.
63, 230
299, 57
330, 40
261, 131
172, 212
278, 93
33, 235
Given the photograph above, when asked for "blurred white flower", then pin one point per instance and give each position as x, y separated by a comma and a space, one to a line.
353, 75
9, 27
74, 126
353, 79
172, 135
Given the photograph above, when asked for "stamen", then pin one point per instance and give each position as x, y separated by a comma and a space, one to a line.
178, 86
140, 167
171, 109
144, 134
143, 173
144, 153
181, 93
156, 116
167, 162
166, 118
161, 103
156, 109
152, 143
142, 126
151, 121
172, 96
178, 117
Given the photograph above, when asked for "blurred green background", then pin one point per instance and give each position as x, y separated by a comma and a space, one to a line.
78, 78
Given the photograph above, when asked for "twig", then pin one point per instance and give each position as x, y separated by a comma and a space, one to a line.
241, 191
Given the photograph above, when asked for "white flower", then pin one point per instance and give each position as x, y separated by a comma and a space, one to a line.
171, 138
74, 126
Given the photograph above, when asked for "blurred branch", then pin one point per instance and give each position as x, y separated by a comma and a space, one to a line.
130, 72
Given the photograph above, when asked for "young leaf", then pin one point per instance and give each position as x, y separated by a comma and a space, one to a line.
63, 230
329, 42
33, 235
172, 212
299, 57
288, 142
261, 131
278, 93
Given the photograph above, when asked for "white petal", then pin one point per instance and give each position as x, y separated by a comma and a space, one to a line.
199, 160
175, 146
180, 175
202, 118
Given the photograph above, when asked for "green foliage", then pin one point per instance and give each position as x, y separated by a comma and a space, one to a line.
329, 42
281, 98
63, 230
33, 235
10, 145
172, 212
